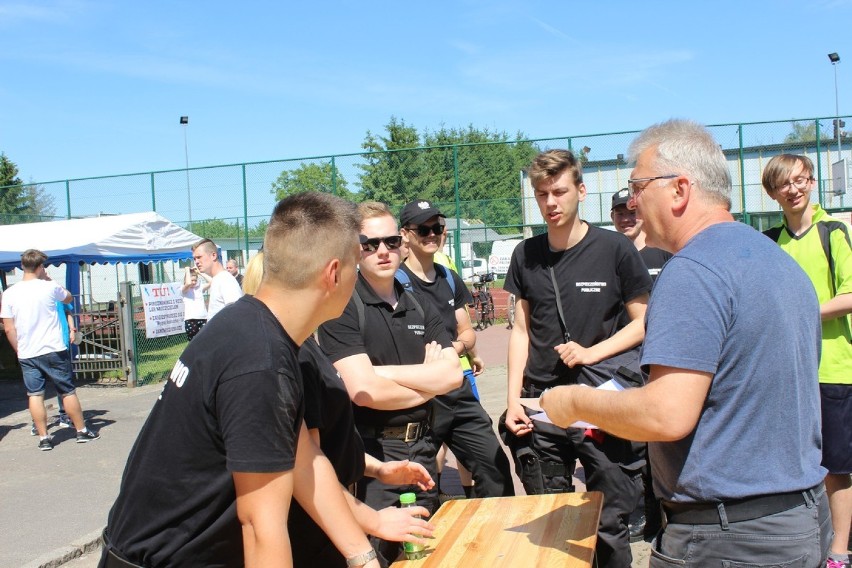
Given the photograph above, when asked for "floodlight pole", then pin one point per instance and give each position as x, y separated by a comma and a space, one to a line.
184, 120
835, 59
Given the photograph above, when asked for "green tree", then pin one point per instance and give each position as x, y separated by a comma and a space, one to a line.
311, 177
13, 194
41, 205
216, 229
805, 132
488, 170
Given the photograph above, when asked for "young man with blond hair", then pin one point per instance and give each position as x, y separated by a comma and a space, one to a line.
394, 356
210, 478
820, 245
596, 279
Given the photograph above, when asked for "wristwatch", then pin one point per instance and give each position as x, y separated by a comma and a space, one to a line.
361, 559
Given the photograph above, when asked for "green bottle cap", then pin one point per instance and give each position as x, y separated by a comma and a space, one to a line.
408, 499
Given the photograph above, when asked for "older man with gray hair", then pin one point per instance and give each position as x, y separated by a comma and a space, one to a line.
731, 411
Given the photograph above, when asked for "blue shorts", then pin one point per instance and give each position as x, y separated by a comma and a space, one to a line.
836, 403
55, 366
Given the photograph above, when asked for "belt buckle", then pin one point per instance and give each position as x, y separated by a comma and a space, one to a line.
412, 431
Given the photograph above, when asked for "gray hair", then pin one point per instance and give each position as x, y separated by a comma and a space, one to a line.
686, 147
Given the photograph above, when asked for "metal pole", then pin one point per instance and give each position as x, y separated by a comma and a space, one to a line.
836, 109
185, 122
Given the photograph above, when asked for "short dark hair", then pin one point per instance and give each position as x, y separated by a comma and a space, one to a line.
31, 259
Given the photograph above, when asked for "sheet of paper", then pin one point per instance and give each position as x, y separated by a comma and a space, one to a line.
533, 403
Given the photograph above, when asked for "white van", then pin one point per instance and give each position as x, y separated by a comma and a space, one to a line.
473, 266
501, 254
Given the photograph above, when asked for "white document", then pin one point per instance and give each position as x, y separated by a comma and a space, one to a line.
610, 385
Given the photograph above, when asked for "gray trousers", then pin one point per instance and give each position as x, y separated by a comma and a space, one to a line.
796, 538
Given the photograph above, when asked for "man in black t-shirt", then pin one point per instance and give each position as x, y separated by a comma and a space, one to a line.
599, 275
459, 420
210, 478
394, 355
625, 222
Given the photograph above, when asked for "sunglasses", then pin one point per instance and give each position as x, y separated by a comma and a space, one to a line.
372, 245
426, 230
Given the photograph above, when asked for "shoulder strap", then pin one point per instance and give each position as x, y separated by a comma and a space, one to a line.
565, 333
825, 240
774, 233
402, 277
448, 276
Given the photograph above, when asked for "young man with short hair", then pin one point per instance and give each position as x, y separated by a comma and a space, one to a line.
224, 288
600, 278
210, 478
820, 245
394, 355
33, 329
458, 418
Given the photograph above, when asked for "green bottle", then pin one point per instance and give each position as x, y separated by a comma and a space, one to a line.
413, 551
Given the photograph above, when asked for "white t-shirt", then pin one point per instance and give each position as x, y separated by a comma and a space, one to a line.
32, 305
224, 290
193, 302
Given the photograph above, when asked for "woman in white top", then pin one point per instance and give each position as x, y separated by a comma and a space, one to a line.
195, 283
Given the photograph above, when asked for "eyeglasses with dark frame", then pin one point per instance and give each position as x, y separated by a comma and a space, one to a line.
799, 183
633, 190
372, 245
426, 230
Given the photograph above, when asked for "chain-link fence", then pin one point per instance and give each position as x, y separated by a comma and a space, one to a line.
480, 186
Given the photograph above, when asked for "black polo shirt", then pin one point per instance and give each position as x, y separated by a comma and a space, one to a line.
596, 277
391, 336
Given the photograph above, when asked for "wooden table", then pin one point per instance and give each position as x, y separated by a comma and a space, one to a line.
534, 530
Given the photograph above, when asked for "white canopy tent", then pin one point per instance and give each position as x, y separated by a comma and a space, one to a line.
136, 237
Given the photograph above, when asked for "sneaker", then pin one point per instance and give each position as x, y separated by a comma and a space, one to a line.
33, 430
54, 421
637, 529
87, 436
46, 444
830, 563
64, 421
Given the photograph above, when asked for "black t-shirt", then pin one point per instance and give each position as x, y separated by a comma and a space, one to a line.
596, 277
233, 403
327, 408
441, 295
654, 260
390, 337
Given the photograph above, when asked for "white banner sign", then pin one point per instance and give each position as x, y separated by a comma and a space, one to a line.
163, 306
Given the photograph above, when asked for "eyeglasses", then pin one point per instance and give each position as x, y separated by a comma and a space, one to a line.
372, 245
633, 190
800, 182
426, 230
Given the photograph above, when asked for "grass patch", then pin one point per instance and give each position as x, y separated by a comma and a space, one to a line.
156, 357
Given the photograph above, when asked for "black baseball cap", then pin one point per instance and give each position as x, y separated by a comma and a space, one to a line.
417, 212
620, 197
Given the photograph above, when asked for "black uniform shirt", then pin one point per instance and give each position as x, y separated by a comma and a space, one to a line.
391, 336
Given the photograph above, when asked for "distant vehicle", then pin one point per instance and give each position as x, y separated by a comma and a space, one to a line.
501, 254
473, 266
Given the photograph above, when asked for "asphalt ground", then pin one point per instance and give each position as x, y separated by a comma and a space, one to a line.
54, 505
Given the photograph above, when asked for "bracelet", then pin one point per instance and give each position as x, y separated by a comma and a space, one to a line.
361, 559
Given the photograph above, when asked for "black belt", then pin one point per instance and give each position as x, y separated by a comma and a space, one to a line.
410, 432
736, 510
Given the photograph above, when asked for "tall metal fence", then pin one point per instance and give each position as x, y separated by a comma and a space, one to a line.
480, 186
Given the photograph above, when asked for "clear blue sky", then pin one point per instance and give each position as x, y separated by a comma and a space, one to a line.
96, 87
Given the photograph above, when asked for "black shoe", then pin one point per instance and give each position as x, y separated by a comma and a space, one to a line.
45, 445
87, 436
637, 529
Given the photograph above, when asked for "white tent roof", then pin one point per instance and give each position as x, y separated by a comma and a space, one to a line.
137, 237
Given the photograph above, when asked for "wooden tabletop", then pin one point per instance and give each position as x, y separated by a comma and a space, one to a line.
533, 530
